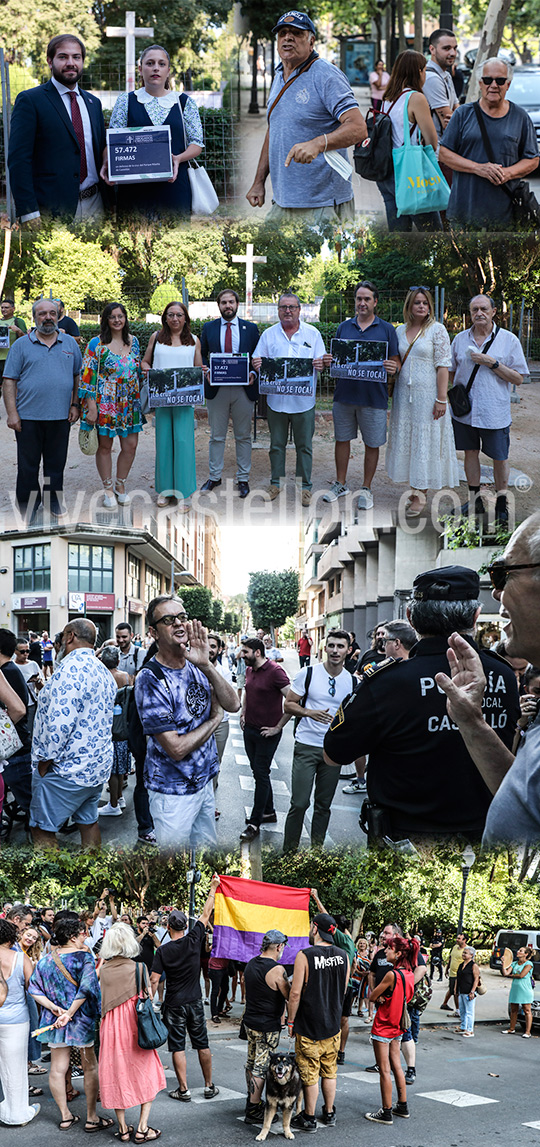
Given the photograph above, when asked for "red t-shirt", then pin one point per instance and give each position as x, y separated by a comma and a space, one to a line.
304, 646
388, 1016
264, 702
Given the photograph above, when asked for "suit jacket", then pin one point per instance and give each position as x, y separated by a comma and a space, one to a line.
44, 156
211, 344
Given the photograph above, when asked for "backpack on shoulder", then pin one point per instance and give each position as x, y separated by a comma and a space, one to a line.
373, 157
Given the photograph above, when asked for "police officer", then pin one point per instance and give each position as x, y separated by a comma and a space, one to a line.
421, 780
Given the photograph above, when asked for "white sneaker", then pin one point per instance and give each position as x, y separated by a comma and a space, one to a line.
108, 810
365, 499
337, 490
355, 787
121, 802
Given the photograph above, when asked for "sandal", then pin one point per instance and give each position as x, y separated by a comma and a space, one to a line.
72, 1094
102, 1124
124, 1136
33, 1092
123, 498
145, 1136
34, 1069
67, 1124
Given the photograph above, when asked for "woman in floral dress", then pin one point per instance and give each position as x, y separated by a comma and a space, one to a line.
110, 395
155, 104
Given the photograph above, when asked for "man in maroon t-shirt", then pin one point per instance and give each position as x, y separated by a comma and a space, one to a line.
262, 719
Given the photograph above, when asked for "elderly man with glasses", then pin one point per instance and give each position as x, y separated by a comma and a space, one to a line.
180, 697
487, 144
514, 813
291, 338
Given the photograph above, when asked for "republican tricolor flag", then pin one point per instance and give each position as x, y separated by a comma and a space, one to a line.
246, 909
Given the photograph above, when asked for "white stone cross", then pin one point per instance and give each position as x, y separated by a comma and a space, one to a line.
130, 32
249, 259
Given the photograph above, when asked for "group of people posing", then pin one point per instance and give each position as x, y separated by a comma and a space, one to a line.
45, 393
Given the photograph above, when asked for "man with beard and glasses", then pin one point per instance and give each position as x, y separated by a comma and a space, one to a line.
57, 142
72, 748
180, 697
229, 335
262, 720
41, 386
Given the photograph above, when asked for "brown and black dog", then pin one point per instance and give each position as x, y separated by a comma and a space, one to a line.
283, 1091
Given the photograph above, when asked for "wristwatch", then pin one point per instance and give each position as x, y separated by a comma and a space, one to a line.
495, 364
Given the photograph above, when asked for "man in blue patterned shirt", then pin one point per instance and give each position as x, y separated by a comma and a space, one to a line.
180, 697
72, 749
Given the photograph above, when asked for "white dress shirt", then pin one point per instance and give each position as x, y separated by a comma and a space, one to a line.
92, 174
306, 342
489, 395
235, 332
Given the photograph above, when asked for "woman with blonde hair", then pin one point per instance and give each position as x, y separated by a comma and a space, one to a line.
129, 1075
421, 448
407, 79
174, 346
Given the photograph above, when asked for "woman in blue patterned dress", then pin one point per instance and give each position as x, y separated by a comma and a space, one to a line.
155, 104
65, 986
110, 394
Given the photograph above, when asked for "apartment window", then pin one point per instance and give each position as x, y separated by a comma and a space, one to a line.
152, 584
331, 587
338, 583
91, 569
134, 577
32, 568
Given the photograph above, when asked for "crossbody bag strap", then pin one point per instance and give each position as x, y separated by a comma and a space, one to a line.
62, 968
307, 683
487, 144
409, 348
476, 367
304, 68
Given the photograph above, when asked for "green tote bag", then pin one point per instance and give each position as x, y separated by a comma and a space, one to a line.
420, 183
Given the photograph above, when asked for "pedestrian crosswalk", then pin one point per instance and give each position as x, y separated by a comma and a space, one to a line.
456, 1098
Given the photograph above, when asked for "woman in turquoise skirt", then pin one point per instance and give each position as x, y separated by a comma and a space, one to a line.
521, 991
172, 346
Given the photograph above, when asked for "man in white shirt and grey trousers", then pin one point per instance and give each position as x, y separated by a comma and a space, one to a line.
315, 696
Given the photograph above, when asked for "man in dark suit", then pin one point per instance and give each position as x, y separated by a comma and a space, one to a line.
229, 334
57, 141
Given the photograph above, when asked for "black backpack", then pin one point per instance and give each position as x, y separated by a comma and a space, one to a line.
122, 703
136, 738
373, 157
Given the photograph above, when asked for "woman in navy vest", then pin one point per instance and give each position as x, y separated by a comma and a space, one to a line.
154, 103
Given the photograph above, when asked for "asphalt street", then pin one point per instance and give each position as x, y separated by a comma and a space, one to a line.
482, 1093
234, 797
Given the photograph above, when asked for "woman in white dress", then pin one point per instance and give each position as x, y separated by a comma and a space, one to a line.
421, 447
173, 346
16, 969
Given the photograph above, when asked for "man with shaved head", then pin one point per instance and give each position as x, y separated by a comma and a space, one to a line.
72, 748
514, 813
488, 361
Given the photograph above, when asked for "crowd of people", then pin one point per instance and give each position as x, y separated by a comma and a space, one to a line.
163, 712
419, 364
70, 982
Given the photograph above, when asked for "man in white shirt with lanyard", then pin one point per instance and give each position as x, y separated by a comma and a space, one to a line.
315, 696
291, 338
501, 364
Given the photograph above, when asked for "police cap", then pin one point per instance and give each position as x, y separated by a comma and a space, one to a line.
449, 583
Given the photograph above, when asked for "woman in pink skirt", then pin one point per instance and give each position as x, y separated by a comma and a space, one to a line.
128, 1074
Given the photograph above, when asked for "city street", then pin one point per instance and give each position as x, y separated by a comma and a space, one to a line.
477, 1094
234, 797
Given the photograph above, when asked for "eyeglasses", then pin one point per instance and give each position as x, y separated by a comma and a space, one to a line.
288, 308
498, 572
332, 686
172, 619
499, 80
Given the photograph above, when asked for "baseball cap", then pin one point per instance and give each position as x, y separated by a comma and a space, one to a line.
326, 926
449, 583
177, 920
294, 19
274, 936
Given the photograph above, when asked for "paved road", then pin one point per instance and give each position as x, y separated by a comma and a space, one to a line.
480, 1093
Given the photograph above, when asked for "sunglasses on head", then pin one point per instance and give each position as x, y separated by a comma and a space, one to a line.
172, 619
499, 80
419, 287
498, 572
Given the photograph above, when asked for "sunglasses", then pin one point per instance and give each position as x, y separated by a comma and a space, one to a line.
172, 619
419, 287
499, 80
498, 572
332, 686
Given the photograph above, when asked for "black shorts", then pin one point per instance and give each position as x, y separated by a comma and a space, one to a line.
347, 1001
186, 1018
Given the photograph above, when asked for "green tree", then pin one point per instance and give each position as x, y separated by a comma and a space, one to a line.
198, 602
74, 268
272, 597
196, 253
26, 28
217, 615
185, 27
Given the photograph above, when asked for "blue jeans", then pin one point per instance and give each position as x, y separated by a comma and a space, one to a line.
414, 1029
428, 221
466, 1012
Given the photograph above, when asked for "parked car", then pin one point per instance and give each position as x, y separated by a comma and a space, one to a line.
535, 1009
516, 940
525, 91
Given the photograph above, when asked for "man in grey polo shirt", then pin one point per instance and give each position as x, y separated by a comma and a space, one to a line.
41, 380
312, 112
501, 365
439, 87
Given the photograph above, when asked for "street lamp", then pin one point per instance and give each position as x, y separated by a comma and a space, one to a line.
468, 858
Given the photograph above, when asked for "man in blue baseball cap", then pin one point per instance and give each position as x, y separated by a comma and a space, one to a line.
310, 175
